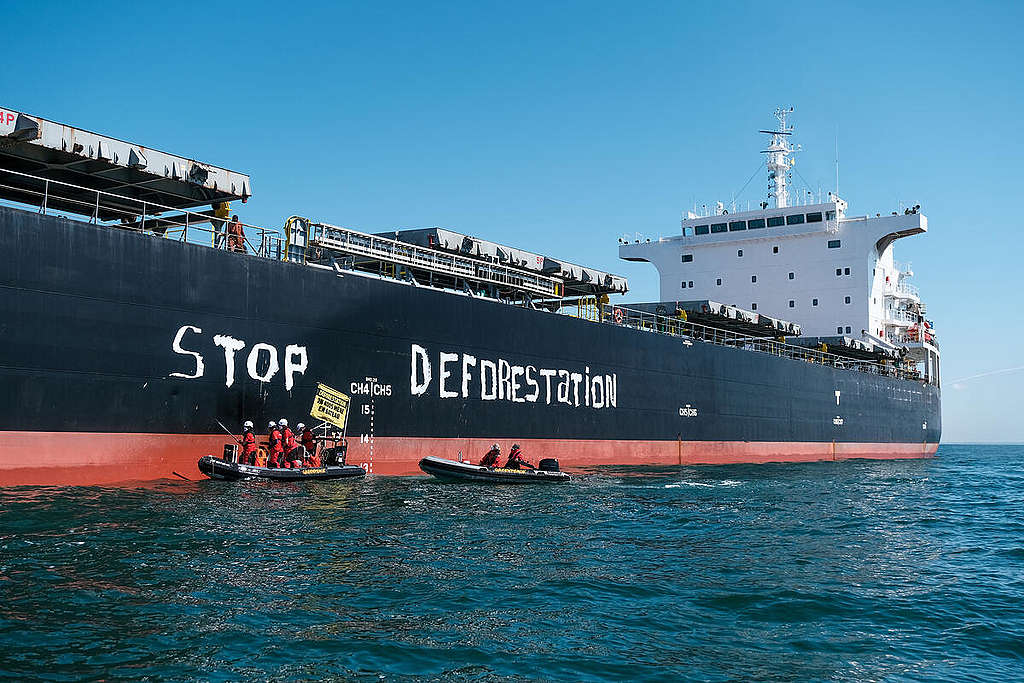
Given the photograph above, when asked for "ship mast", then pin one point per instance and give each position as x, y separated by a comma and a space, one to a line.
779, 162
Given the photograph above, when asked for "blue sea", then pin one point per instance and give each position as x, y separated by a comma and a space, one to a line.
851, 571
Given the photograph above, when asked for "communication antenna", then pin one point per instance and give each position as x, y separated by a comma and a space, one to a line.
837, 163
779, 162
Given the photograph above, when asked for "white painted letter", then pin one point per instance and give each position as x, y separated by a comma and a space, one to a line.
418, 352
517, 370
547, 375
486, 395
563, 386
446, 358
597, 391
504, 380
294, 366
230, 346
467, 361
611, 387
253, 365
576, 379
532, 382
176, 347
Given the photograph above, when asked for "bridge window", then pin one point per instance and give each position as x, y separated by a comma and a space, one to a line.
718, 281
775, 250
839, 330
794, 219
753, 278
846, 271
688, 232
847, 329
701, 229
834, 244
839, 272
847, 300
739, 252
687, 258
792, 275
776, 221
792, 304
814, 302
753, 307
755, 223
691, 284
814, 217
737, 225
682, 284
830, 215
719, 227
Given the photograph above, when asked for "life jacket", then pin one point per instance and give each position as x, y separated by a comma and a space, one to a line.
515, 459
289, 440
248, 442
275, 441
308, 441
490, 459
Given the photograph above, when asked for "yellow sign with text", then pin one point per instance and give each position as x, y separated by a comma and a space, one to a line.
330, 405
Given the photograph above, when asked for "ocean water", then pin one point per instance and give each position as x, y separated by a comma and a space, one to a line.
860, 570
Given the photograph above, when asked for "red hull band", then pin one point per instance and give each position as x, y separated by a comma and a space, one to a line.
83, 458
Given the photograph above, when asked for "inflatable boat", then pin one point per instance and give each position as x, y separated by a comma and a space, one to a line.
464, 471
216, 468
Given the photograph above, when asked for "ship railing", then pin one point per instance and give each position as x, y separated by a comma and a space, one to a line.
915, 339
691, 332
902, 316
386, 250
908, 289
904, 289
56, 197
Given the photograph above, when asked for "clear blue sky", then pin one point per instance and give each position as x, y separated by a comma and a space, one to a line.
557, 126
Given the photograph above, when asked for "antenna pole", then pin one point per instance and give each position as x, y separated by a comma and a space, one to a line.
837, 163
779, 162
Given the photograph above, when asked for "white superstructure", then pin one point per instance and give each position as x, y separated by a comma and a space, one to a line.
832, 273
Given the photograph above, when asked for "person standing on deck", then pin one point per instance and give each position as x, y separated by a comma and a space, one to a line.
249, 447
288, 442
221, 211
274, 445
308, 443
236, 235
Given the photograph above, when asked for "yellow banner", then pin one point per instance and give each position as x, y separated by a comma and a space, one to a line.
330, 405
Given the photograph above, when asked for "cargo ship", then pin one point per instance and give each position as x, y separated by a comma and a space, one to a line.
137, 317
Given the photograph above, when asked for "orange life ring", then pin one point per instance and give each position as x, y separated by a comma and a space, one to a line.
617, 312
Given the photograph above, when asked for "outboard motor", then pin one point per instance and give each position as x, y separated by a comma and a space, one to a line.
549, 465
335, 457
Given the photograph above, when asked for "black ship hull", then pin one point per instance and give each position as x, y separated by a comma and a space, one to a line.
120, 351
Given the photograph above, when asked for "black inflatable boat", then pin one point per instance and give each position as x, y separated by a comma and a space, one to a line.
464, 471
215, 468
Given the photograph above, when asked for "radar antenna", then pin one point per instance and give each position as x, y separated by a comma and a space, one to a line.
779, 162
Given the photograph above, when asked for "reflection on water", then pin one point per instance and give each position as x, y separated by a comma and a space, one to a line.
855, 570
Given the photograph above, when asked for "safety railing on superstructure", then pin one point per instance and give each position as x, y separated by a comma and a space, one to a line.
914, 338
128, 213
386, 250
902, 290
693, 332
900, 316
